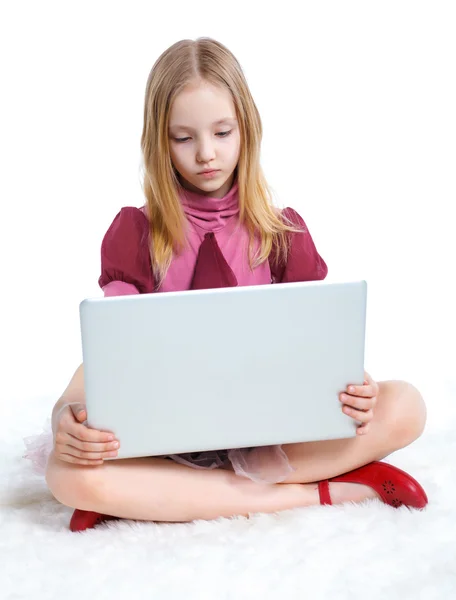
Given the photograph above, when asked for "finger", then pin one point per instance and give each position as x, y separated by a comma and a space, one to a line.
87, 434
71, 440
357, 402
368, 378
65, 438
365, 391
79, 461
79, 411
73, 451
81, 416
363, 429
358, 415
372, 382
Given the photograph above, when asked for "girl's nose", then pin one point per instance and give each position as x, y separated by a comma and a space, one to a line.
205, 151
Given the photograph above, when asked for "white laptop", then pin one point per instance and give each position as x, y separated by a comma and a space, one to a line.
224, 368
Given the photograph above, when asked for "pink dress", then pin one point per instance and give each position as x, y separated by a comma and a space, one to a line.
216, 256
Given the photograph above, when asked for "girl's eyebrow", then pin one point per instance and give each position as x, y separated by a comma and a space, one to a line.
224, 120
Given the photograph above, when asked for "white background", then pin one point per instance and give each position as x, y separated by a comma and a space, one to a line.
358, 105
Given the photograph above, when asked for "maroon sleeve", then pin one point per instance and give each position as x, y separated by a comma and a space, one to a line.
125, 252
304, 262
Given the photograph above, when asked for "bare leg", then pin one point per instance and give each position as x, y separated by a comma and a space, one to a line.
400, 418
157, 489
161, 490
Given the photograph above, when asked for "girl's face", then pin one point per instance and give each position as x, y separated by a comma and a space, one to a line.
199, 142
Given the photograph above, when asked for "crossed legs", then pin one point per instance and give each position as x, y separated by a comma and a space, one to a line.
156, 489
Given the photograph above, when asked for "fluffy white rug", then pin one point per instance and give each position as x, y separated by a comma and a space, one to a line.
351, 551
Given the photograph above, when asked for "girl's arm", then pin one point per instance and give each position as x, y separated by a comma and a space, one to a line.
125, 269
304, 262
74, 392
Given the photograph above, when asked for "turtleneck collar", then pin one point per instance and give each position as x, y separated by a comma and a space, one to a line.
210, 213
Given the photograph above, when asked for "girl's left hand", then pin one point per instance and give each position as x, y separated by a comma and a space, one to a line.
359, 401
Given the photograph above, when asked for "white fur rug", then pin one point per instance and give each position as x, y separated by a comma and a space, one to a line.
351, 551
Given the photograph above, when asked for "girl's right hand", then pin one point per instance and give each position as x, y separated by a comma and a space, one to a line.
79, 444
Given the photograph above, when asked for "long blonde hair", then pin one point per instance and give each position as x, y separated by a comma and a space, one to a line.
210, 61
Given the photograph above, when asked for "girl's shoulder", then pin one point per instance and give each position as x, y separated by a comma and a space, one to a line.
125, 250
293, 217
303, 262
130, 215
129, 223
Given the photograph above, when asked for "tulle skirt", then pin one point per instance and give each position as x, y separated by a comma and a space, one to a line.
263, 464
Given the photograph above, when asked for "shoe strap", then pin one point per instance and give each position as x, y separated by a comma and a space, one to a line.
323, 490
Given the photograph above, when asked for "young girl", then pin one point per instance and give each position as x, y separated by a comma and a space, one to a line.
209, 222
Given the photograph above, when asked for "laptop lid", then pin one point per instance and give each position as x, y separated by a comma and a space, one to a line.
223, 368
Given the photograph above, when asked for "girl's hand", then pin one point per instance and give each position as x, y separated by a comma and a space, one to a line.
359, 401
78, 444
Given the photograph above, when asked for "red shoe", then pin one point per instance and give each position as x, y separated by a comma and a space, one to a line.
86, 519
394, 486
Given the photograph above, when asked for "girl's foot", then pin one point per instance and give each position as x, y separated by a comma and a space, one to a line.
87, 519
350, 492
392, 485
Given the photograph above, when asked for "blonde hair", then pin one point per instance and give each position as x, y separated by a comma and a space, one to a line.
185, 62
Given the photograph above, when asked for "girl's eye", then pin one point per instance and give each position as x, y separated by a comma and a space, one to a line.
223, 134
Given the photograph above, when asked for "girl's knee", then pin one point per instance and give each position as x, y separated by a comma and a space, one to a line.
409, 413
73, 485
418, 408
